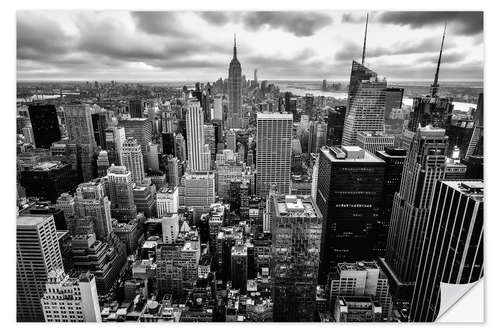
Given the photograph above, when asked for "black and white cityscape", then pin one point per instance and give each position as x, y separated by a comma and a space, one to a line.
247, 166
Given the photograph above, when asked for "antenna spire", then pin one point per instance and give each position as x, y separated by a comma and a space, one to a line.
364, 42
234, 47
435, 85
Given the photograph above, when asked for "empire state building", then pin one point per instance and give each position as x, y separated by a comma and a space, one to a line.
234, 91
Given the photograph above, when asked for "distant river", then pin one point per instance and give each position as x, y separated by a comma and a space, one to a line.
343, 95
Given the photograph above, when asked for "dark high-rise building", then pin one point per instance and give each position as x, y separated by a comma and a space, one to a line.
141, 130
452, 249
475, 147
45, 124
239, 267
393, 99
394, 160
48, 180
309, 104
336, 117
99, 124
168, 143
136, 108
425, 164
349, 196
296, 238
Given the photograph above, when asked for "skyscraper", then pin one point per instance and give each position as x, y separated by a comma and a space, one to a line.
198, 152
139, 129
296, 236
350, 187
119, 187
69, 299
336, 118
475, 147
132, 158
37, 253
274, 151
45, 124
424, 165
234, 91
366, 104
78, 118
452, 249
136, 108
91, 201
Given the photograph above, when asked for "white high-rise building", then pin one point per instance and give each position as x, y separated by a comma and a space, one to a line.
69, 299
167, 201
366, 104
198, 152
152, 156
133, 160
37, 253
218, 108
274, 151
170, 228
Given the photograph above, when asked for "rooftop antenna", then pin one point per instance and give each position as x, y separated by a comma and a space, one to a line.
435, 85
234, 47
364, 42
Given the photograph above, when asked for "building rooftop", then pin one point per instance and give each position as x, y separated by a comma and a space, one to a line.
471, 188
48, 165
295, 206
349, 154
31, 220
274, 115
374, 134
357, 266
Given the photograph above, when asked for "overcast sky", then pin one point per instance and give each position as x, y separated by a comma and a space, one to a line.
117, 45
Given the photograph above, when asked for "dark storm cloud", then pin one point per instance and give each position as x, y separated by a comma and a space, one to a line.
466, 23
40, 38
447, 58
353, 51
216, 18
158, 23
301, 24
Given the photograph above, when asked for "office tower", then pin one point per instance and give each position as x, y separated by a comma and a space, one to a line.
103, 259
274, 150
66, 203
197, 189
78, 119
180, 147
139, 129
349, 196
144, 198
225, 173
424, 165
296, 237
152, 157
102, 163
309, 104
45, 124
132, 159
48, 180
255, 81
336, 117
475, 147
218, 114
37, 253
115, 137
357, 309
91, 201
100, 121
452, 249
170, 228
393, 100
70, 299
168, 143
167, 200
366, 104
198, 152
136, 108
119, 187
231, 140
374, 141
172, 170
362, 278
234, 114
209, 135
239, 266
394, 159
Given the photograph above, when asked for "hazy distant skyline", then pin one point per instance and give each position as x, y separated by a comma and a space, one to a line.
190, 46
